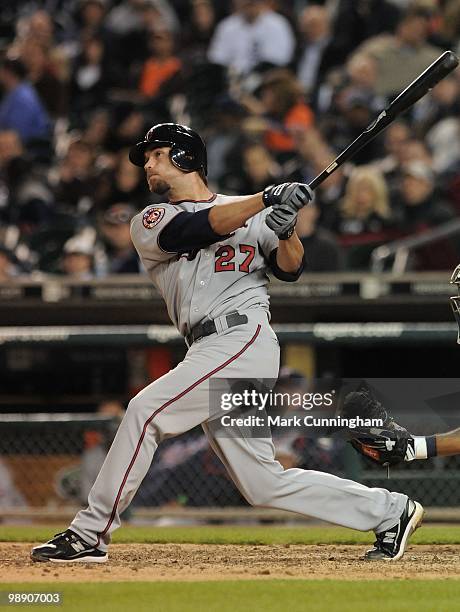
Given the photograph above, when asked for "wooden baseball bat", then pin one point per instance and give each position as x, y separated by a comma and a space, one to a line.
430, 77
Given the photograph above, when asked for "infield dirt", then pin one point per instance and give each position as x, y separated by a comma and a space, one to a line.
189, 562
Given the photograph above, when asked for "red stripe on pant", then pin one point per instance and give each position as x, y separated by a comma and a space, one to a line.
149, 420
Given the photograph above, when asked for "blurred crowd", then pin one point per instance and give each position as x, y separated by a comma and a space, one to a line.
276, 88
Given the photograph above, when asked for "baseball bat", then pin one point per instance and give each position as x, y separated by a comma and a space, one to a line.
430, 77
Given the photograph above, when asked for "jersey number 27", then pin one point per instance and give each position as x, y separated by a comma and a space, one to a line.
226, 253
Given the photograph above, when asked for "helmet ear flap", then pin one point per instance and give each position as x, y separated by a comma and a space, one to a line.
182, 159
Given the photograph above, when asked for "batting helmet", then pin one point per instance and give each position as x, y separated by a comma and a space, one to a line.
188, 151
455, 301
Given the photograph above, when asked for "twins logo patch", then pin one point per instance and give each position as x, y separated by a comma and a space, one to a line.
152, 217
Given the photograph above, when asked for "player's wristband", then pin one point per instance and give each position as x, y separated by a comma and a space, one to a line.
286, 235
431, 450
268, 197
424, 447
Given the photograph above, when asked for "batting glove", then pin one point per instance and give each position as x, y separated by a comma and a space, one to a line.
282, 221
296, 195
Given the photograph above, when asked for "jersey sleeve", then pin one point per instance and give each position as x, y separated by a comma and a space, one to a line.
146, 228
188, 231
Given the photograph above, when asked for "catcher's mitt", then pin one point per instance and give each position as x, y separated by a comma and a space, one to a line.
386, 445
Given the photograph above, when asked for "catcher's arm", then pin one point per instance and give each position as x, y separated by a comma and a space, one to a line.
447, 443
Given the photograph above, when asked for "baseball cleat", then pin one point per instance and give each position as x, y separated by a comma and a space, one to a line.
68, 547
391, 544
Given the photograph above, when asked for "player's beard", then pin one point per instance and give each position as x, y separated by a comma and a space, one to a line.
159, 186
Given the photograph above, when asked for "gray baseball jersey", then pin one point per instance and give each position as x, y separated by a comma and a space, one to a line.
227, 276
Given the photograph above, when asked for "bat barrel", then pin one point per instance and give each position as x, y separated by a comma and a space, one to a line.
430, 77
449, 61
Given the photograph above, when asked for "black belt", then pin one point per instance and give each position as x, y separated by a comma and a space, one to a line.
209, 327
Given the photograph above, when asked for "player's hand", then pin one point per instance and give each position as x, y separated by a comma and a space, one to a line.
293, 195
282, 221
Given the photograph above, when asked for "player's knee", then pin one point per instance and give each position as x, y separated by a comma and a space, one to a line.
138, 411
259, 497
135, 407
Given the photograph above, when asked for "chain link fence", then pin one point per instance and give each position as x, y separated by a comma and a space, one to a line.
52, 460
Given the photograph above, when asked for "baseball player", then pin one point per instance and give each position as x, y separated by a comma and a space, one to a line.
208, 254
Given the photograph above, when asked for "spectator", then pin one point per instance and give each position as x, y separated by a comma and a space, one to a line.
450, 25
415, 149
396, 136
197, 34
313, 156
258, 170
8, 267
75, 179
28, 198
246, 39
127, 126
320, 51
90, 78
130, 24
402, 148
362, 72
271, 136
50, 88
119, 257
353, 116
365, 206
444, 140
321, 251
161, 66
78, 256
402, 57
124, 183
419, 205
411, 150
11, 149
91, 16
364, 218
21, 109
442, 103
355, 21
224, 139
358, 77
286, 114
96, 130
129, 17
39, 27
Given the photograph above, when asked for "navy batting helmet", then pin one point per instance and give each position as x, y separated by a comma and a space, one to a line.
455, 300
188, 151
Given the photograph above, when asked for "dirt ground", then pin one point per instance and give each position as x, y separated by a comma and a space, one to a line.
149, 562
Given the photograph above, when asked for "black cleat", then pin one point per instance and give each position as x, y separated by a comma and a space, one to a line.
391, 544
68, 547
